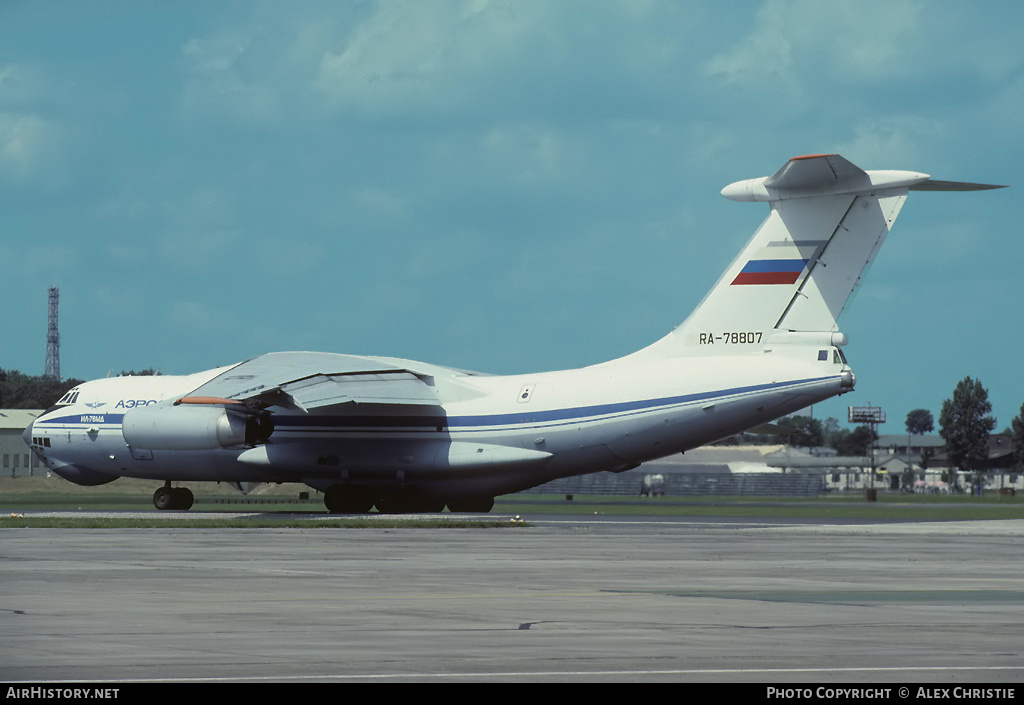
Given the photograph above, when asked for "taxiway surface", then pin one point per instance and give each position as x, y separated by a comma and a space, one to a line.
586, 600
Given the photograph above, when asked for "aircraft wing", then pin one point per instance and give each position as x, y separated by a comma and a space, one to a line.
308, 381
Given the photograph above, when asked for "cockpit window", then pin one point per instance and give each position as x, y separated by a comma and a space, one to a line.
70, 398
838, 357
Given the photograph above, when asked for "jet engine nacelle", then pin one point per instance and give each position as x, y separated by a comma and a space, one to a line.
158, 427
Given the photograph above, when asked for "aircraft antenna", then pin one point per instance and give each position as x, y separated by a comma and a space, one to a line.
52, 370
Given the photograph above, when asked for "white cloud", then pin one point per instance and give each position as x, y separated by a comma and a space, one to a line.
198, 231
285, 256
201, 249
408, 58
26, 144
791, 39
762, 58
215, 54
119, 301
32, 145
898, 142
380, 202
125, 209
498, 56
417, 52
218, 86
192, 315
528, 153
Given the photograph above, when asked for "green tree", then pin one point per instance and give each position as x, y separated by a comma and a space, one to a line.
965, 424
855, 443
920, 421
830, 429
19, 391
926, 457
861, 440
1018, 441
807, 432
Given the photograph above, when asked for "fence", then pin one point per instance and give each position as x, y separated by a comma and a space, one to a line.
690, 484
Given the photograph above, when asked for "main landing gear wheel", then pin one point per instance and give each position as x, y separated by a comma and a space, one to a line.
408, 503
345, 499
173, 498
471, 505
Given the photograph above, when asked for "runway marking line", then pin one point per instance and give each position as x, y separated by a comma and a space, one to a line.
560, 674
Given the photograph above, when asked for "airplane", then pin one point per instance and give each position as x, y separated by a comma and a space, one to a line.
403, 436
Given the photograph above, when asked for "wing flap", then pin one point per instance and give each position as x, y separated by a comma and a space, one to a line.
306, 380
385, 387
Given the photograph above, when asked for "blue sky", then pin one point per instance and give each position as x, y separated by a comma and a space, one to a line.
505, 186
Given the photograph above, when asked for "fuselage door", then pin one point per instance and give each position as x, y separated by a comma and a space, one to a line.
141, 453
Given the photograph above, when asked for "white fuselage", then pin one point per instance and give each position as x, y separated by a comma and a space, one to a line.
486, 434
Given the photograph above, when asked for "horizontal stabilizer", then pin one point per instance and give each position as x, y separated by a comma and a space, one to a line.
832, 175
933, 185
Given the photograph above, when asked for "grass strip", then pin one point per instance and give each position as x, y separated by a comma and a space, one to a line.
17, 522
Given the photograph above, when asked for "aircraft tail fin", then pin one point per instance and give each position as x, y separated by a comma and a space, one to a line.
827, 221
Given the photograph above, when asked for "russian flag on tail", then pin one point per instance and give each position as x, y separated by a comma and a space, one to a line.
771, 271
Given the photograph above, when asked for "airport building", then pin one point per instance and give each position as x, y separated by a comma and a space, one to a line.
796, 472
15, 458
706, 471
914, 450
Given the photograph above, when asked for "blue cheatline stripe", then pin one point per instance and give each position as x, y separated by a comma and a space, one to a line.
437, 421
104, 419
552, 415
618, 407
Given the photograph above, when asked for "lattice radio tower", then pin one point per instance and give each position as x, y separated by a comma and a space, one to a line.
52, 370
